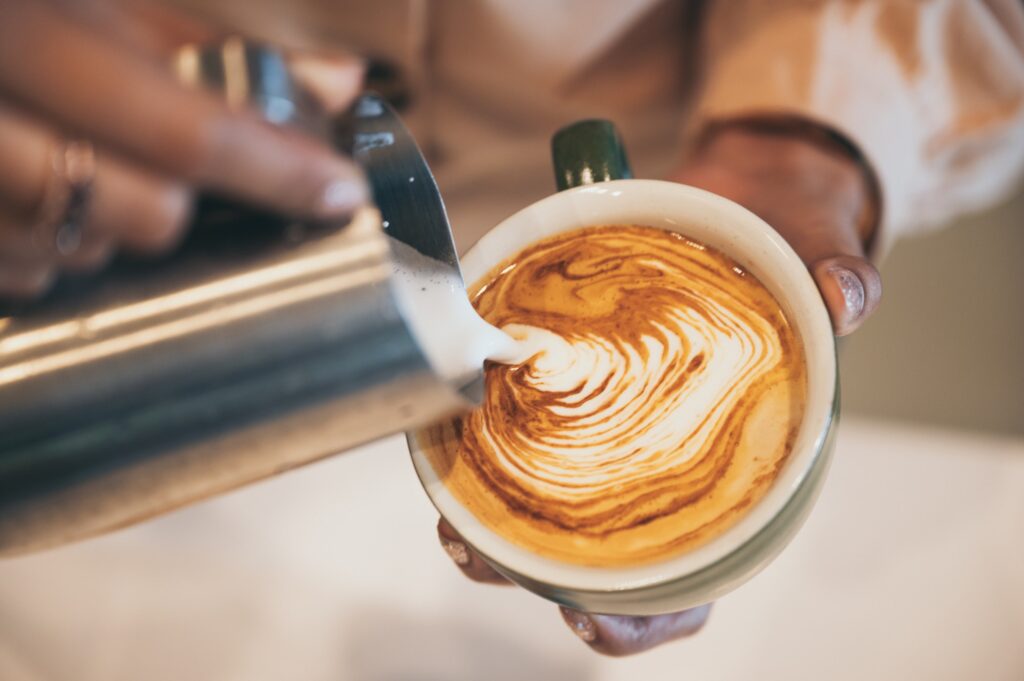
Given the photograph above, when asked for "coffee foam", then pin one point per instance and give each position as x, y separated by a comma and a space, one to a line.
660, 397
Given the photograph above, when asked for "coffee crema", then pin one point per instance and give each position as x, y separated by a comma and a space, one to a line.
661, 393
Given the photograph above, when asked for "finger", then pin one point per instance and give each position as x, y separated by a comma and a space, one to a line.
25, 160
851, 288
849, 284
145, 26
335, 81
617, 635
472, 565
143, 212
21, 281
831, 247
17, 242
19, 248
125, 102
128, 205
93, 253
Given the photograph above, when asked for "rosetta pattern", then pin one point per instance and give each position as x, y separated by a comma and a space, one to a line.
647, 358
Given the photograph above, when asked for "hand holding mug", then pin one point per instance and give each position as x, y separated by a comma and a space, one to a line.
614, 635
822, 203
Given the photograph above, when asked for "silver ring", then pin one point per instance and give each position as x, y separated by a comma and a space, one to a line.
65, 206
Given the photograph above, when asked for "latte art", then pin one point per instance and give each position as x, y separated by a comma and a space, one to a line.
660, 391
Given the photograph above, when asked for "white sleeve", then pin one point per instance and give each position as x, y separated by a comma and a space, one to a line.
931, 91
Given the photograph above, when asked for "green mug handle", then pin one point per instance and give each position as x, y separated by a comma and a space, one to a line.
588, 151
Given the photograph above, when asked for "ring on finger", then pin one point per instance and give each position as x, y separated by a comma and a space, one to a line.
66, 199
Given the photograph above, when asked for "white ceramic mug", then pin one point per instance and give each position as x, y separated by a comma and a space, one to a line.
728, 560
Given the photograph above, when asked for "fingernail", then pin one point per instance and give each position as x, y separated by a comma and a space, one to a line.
581, 624
456, 550
852, 289
342, 197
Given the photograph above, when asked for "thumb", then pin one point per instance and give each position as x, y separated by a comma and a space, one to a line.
829, 240
832, 248
851, 288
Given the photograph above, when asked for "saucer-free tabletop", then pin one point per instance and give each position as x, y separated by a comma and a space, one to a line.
911, 567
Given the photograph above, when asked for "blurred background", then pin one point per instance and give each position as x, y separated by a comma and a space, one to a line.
947, 346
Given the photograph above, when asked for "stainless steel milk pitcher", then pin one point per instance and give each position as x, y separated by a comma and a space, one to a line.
259, 346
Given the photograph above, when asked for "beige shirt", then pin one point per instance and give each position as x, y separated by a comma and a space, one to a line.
931, 90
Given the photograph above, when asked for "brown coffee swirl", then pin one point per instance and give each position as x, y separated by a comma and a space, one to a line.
662, 394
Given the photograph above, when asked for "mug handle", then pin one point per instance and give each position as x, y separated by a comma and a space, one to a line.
588, 151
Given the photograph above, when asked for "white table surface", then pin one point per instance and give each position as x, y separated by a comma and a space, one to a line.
911, 567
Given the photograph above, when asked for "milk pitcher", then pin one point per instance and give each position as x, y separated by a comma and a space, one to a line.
258, 346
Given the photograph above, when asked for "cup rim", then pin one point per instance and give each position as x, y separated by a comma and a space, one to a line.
801, 301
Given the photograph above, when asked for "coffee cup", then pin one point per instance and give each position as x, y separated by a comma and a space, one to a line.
596, 189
